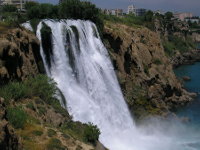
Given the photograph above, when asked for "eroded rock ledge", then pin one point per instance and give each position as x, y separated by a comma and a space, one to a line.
144, 72
19, 55
187, 58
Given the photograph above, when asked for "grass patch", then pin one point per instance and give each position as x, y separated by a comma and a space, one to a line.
51, 132
177, 43
37, 133
40, 86
157, 62
14, 90
88, 133
17, 117
55, 144
30, 106
129, 20
41, 110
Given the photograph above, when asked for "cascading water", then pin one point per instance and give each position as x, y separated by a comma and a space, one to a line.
81, 67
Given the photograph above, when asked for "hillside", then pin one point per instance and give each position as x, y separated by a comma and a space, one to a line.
30, 116
144, 71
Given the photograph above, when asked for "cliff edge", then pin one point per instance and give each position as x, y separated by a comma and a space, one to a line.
144, 71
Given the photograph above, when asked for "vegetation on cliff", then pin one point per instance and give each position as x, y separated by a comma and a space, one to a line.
68, 9
175, 35
145, 73
31, 108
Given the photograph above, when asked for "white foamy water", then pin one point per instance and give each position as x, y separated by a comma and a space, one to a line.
82, 69
27, 25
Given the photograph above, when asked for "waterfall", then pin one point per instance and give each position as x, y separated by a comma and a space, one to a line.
81, 67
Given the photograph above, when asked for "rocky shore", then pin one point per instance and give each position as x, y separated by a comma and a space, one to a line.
187, 58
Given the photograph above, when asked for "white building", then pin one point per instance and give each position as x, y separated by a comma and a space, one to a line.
113, 12
136, 11
192, 20
19, 4
131, 9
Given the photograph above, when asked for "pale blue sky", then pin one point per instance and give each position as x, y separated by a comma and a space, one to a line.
171, 5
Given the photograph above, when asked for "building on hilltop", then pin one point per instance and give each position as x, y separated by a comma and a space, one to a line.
119, 12
114, 12
106, 11
131, 9
19, 4
160, 12
136, 11
140, 12
183, 16
192, 20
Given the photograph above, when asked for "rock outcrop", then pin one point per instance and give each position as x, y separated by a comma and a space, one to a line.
196, 37
186, 58
8, 138
144, 72
47, 126
19, 55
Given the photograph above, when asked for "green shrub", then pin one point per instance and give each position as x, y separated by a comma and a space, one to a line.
51, 132
30, 106
55, 144
34, 23
84, 132
169, 48
41, 110
37, 133
177, 43
58, 108
157, 62
67, 9
91, 133
65, 136
17, 117
14, 90
40, 86
8, 8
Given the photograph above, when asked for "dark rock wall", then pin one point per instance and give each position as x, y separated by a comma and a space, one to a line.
19, 55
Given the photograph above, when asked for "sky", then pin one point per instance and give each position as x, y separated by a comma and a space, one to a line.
165, 5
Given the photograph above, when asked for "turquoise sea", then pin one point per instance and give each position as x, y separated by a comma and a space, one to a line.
192, 110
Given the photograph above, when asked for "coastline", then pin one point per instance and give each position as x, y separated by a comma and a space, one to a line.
187, 58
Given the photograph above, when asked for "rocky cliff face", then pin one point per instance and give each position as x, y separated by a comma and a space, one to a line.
144, 72
47, 126
196, 37
8, 139
19, 55
187, 58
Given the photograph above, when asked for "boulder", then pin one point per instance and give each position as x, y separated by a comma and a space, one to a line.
186, 78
